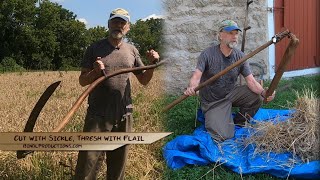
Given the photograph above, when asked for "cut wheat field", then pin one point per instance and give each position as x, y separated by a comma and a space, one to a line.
20, 91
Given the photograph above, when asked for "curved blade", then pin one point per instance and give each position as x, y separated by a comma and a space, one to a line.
35, 113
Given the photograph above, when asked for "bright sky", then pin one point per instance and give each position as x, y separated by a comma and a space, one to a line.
96, 12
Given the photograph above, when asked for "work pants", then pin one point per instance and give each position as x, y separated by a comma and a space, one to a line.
218, 116
89, 162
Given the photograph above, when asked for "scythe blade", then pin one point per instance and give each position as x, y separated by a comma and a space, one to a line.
22, 153
35, 113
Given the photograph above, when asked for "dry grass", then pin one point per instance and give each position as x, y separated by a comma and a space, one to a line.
299, 134
25, 89
144, 160
20, 91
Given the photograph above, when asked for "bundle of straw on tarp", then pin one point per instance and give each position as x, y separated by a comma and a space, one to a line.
298, 134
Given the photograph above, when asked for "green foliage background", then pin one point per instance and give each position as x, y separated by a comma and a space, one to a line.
147, 35
47, 36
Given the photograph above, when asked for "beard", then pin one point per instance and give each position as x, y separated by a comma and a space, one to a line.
232, 44
117, 34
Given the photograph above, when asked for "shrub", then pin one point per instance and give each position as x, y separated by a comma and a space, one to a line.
8, 64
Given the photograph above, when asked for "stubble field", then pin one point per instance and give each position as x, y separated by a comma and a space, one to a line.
20, 91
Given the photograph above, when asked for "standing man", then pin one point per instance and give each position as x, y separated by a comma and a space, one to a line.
110, 104
219, 97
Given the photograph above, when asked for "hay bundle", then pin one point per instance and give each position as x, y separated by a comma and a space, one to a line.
299, 134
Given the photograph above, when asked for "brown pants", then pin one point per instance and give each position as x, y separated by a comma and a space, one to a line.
218, 118
89, 162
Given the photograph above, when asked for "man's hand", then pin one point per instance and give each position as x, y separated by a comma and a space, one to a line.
98, 65
270, 98
194, 82
190, 91
152, 56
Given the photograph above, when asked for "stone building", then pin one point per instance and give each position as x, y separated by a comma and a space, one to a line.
192, 25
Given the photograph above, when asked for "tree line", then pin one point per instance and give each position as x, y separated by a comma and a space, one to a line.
42, 35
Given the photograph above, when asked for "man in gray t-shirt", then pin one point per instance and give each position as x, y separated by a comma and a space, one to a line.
219, 97
110, 104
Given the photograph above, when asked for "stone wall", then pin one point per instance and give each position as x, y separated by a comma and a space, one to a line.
192, 25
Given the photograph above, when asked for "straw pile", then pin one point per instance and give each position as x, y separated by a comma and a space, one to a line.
299, 134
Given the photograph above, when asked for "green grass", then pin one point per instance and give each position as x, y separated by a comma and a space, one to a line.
283, 96
181, 121
45, 169
181, 118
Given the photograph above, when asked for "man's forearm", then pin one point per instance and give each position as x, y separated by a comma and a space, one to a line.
145, 77
193, 82
255, 87
88, 77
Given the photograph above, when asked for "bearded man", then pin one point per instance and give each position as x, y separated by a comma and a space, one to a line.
218, 98
110, 103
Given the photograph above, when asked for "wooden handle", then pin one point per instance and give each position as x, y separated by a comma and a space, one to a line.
276, 39
83, 96
294, 42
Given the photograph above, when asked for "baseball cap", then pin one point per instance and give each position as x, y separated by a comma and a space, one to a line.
120, 13
228, 25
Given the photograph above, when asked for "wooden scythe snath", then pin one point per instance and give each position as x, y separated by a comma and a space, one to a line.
46, 95
275, 39
293, 44
77, 104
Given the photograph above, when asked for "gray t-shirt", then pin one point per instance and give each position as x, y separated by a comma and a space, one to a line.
210, 62
112, 97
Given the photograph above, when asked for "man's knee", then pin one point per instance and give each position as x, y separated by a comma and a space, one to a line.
221, 134
227, 135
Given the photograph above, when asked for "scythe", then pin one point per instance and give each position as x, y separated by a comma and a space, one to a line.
35, 113
46, 95
275, 39
293, 44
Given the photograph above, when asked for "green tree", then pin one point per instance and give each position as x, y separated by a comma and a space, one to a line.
9, 64
96, 33
63, 46
40, 37
17, 32
43, 35
146, 35
47, 20
72, 43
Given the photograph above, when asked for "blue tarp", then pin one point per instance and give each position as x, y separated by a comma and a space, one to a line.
199, 149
